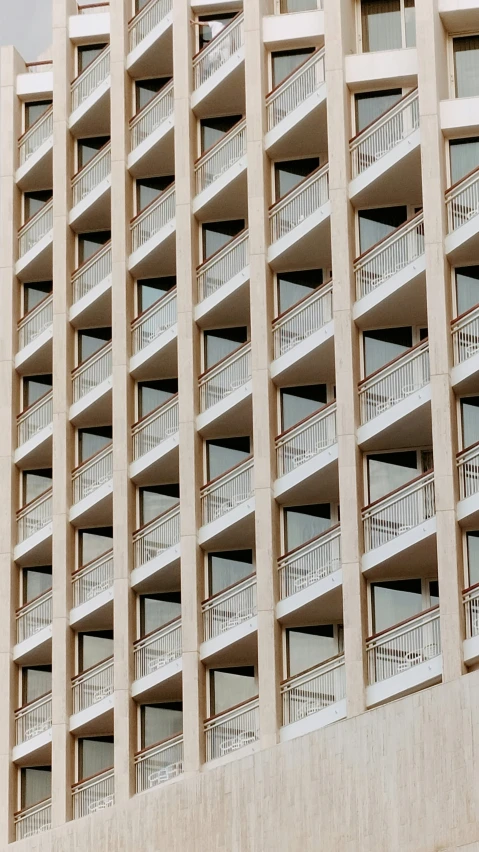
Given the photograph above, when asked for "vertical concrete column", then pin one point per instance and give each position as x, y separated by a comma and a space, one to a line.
433, 86
339, 37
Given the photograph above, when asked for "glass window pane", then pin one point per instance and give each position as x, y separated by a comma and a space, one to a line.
93, 543
157, 610
95, 755
159, 722
217, 234
213, 129
36, 581
309, 646
36, 784
286, 61
88, 148
225, 454
146, 90
35, 201
230, 687
153, 394
94, 647
302, 523
298, 403
227, 568
370, 105
91, 341
34, 111
33, 294
293, 286
393, 602
34, 387
473, 557
221, 342
215, 24
466, 63
88, 54
389, 471
36, 681
381, 25
464, 154
35, 483
290, 173
150, 290
467, 288
91, 441
88, 244
149, 189
374, 225
470, 420
383, 345
433, 593
155, 500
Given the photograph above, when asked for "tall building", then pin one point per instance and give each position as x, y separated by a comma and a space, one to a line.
239, 419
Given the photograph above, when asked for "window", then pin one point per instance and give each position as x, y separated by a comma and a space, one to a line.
153, 394
88, 54
33, 294
290, 173
396, 600
156, 499
217, 234
34, 110
297, 5
224, 453
294, 286
91, 441
384, 344
284, 62
145, 90
212, 26
158, 610
222, 342
302, 523
467, 288
34, 387
227, 568
95, 754
470, 420
36, 581
88, 148
89, 244
90, 341
464, 156
94, 543
466, 59
34, 201
160, 721
150, 290
35, 483
387, 24
375, 225
93, 648
213, 129
36, 681
229, 687
149, 189
300, 402
370, 105
35, 785
472, 541
310, 646
388, 471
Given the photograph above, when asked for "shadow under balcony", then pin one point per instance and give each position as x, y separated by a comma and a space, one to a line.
230, 626
223, 285
221, 181
307, 459
152, 137
313, 699
228, 505
35, 151
155, 446
159, 665
462, 205
225, 396
93, 700
156, 554
93, 491
92, 587
218, 73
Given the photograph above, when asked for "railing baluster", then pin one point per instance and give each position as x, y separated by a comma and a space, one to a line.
229, 609
159, 763
403, 647
405, 509
232, 730
303, 319
91, 78
153, 322
223, 266
158, 649
391, 255
308, 439
222, 380
227, 492
311, 194
221, 157
147, 19
314, 690
395, 383
308, 564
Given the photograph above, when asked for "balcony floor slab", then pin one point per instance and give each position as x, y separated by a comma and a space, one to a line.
393, 179
37, 263
226, 197
465, 376
94, 408
93, 212
36, 357
462, 245
223, 92
231, 299
155, 155
159, 359
94, 509
93, 115
36, 549
311, 239
403, 296
412, 680
36, 452
471, 651
159, 465
334, 713
153, 56
36, 173
468, 512
93, 310
159, 251
294, 134
95, 614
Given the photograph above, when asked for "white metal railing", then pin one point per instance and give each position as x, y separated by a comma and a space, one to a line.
223, 266
311, 562
39, 67
300, 203
93, 8
462, 201
303, 319
153, 218
95, 270
155, 651
227, 492
33, 719
468, 468
94, 794
218, 51
403, 510
33, 820
154, 321
229, 608
159, 763
34, 516
152, 116
35, 322
35, 418
147, 19
471, 608
35, 229
392, 254
92, 579
395, 382
229, 731
293, 91
34, 616
156, 427
225, 377
92, 686
465, 336
91, 175
305, 440
159, 535
384, 134
313, 690
400, 648
218, 159
92, 474
91, 78
35, 136
92, 372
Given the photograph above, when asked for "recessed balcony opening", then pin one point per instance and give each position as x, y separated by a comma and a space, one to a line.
87, 149
149, 291
212, 130
234, 712
154, 500
220, 170
368, 106
301, 524
37, 319
86, 54
36, 416
35, 814
89, 244
91, 184
34, 202
95, 790
156, 542
471, 598
150, 40
310, 645
227, 497
92, 687
387, 24
285, 62
210, 26
300, 402
461, 202
93, 372
36, 681
92, 478
90, 91
33, 111
376, 224
288, 174
146, 90
222, 454
161, 737
467, 460
149, 190
387, 472
215, 235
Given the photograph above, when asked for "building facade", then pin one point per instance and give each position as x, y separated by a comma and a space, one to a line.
240, 428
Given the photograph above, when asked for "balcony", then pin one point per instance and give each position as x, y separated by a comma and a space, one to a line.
230, 625
34, 532
159, 763
227, 505
220, 174
223, 285
395, 403
468, 471
303, 339
35, 334
470, 599
155, 446
151, 42
154, 340
34, 434
386, 157
300, 225
296, 111
33, 820
218, 73
91, 285
91, 385
92, 693
307, 459
93, 490
37, 82
92, 587
313, 699
156, 554
391, 279
91, 190
404, 658
34, 631
94, 794
152, 137
153, 237
459, 16
225, 396
90, 98
35, 154
235, 730
400, 530
35, 247
33, 733
158, 664
462, 206
310, 579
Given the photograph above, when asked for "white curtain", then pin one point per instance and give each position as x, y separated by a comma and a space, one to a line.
381, 25
466, 62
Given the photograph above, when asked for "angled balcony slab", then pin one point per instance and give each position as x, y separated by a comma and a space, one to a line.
313, 721
462, 204
162, 572
91, 285
465, 343
236, 646
218, 73
406, 423
313, 699
35, 150
459, 16
310, 579
93, 700
35, 247
95, 614
92, 587
90, 105
33, 732
161, 685
36, 650
405, 683
156, 554
300, 225
153, 234
223, 285
309, 360
36, 452
228, 509
157, 465
470, 599
91, 187
312, 480
157, 359
152, 137
96, 508
151, 41
93, 491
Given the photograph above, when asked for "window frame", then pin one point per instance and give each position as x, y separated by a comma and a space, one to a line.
359, 29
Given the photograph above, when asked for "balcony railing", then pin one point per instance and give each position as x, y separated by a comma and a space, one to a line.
91, 78
225, 377
303, 319
462, 201
94, 794
218, 51
310, 562
35, 229
91, 175
93, 8
92, 686
383, 134
35, 136
146, 20
159, 763
307, 439
300, 203
405, 375
32, 820
389, 256
414, 641
313, 690
229, 608
465, 335
92, 272
229, 731
223, 266
92, 474
155, 427
155, 651
471, 609
468, 468
34, 516
154, 321
35, 418
89, 375
153, 218
39, 67
152, 116
34, 616
36, 321
93, 579
295, 89
221, 157
399, 512
159, 535
33, 719
227, 491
